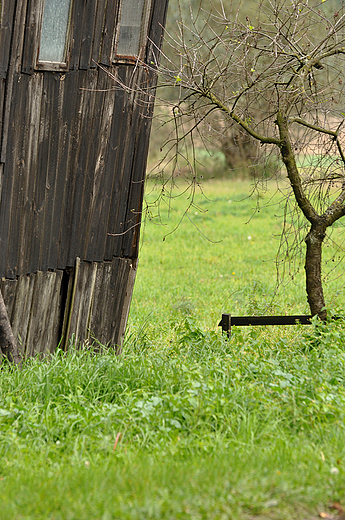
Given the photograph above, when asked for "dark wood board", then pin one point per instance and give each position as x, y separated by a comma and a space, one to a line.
51, 181
98, 33
75, 100
87, 34
21, 176
83, 164
32, 35
123, 171
108, 32
82, 303
130, 242
14, 67
114, 163
44, 312
6, 28
79, 8
2, 102
33, 102
99, 198
123, 189
22, 308
45, 130
59, 169
13, 148
68, 139
156, 32
8, 291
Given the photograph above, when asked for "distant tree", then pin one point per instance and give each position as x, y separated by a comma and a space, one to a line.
279, 79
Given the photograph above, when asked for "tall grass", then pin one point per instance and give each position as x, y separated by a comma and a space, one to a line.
185, 424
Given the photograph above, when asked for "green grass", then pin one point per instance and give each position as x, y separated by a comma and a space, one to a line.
210, 428
231, 270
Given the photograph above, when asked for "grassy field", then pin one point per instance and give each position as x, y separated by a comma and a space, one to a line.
185, 424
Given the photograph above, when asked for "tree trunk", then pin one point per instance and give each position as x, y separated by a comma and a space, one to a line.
8, 345
316, 299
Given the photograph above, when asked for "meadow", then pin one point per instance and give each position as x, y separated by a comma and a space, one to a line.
186, 424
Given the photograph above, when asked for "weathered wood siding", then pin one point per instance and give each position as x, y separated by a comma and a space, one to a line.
73, 156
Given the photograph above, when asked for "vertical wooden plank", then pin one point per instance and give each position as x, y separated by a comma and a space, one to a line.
97, 203
69, 118
101, 300
53, 325
74, 105
62, 161
123, 176
39, 194
69, 305
2, 102
20, 173
24, 177
14, 67
6, 28
87, 301
126, 304
50, 181
1, 177
156, 29
22, 308
130, 239
8, 290
87, 34
10, 173
112, 296
34, 104
82, 303
117, 150
45, 311
89, 132
108, 32
118, 286
77, 25
98, 32
32, 35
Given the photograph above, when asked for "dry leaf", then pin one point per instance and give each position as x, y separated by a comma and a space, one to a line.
338, 507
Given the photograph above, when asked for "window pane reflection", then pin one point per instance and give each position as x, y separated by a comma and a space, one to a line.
54, 30
130, 27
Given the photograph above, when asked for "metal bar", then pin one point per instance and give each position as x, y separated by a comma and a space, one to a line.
270, 320
229, 321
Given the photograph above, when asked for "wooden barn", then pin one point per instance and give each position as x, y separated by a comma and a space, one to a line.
74, 143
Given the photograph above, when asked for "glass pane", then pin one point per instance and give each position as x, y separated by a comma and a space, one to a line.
130, 27
54, 30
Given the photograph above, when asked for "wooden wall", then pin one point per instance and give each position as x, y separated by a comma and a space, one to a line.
73, 156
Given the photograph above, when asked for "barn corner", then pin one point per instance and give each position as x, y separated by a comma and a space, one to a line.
73, 147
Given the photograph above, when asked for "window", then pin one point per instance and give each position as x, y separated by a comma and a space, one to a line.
132, 27
55, 30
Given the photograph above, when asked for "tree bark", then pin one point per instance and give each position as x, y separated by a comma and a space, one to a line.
313, 269
317, 233
8, 343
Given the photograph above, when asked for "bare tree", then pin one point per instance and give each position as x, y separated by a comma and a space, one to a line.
280, 79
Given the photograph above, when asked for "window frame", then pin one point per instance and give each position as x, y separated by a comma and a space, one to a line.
55, 65
144, 31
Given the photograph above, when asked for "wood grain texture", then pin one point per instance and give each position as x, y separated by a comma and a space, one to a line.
6, 28
21, 313
73, 157
87, 32
32, 35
